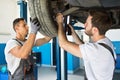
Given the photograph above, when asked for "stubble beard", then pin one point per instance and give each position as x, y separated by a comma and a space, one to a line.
89, 33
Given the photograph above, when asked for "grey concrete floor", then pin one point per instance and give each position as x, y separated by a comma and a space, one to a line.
49, 73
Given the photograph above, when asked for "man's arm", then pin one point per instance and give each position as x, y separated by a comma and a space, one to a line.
63, 42
41, 41
75, 36
25, 50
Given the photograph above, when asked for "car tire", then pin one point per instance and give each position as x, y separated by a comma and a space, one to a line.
42, 10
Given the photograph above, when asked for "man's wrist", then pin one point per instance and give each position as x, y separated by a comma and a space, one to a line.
33, 32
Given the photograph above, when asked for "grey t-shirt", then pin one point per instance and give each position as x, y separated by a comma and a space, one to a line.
99, 62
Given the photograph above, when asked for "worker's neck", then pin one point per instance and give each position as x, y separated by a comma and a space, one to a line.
97, 38
20, 37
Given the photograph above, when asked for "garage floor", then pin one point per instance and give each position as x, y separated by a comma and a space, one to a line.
49, 73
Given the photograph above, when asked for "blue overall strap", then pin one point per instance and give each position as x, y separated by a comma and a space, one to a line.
110, 49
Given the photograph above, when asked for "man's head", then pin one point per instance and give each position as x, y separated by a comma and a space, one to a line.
20, 26
16, 21
100, 20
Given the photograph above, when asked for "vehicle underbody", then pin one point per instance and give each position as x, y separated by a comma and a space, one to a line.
45, 11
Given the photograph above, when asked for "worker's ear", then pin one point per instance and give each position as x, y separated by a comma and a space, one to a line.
16, 28
94, 30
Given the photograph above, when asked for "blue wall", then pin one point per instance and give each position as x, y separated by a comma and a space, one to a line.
2, 56
73, 62
45, 51
116, 45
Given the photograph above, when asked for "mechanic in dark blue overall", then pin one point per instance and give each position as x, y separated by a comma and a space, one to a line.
18, 49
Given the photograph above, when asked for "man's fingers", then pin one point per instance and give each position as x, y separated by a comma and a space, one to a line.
58, 14
38, 24
35, 21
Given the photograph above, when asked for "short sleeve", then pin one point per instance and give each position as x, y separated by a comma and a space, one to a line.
11, 44
89, 51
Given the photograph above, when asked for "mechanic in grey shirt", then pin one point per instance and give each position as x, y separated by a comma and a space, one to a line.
99, 62
18, 49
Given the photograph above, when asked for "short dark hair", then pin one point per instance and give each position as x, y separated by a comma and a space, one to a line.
17, 20
101, 19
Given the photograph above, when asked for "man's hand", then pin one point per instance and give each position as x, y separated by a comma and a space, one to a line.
71, 28
35, 25
59, 18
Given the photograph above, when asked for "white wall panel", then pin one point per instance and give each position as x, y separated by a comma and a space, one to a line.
113, 34
9, 11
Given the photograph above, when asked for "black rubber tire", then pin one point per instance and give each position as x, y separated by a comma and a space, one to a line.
41, 9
